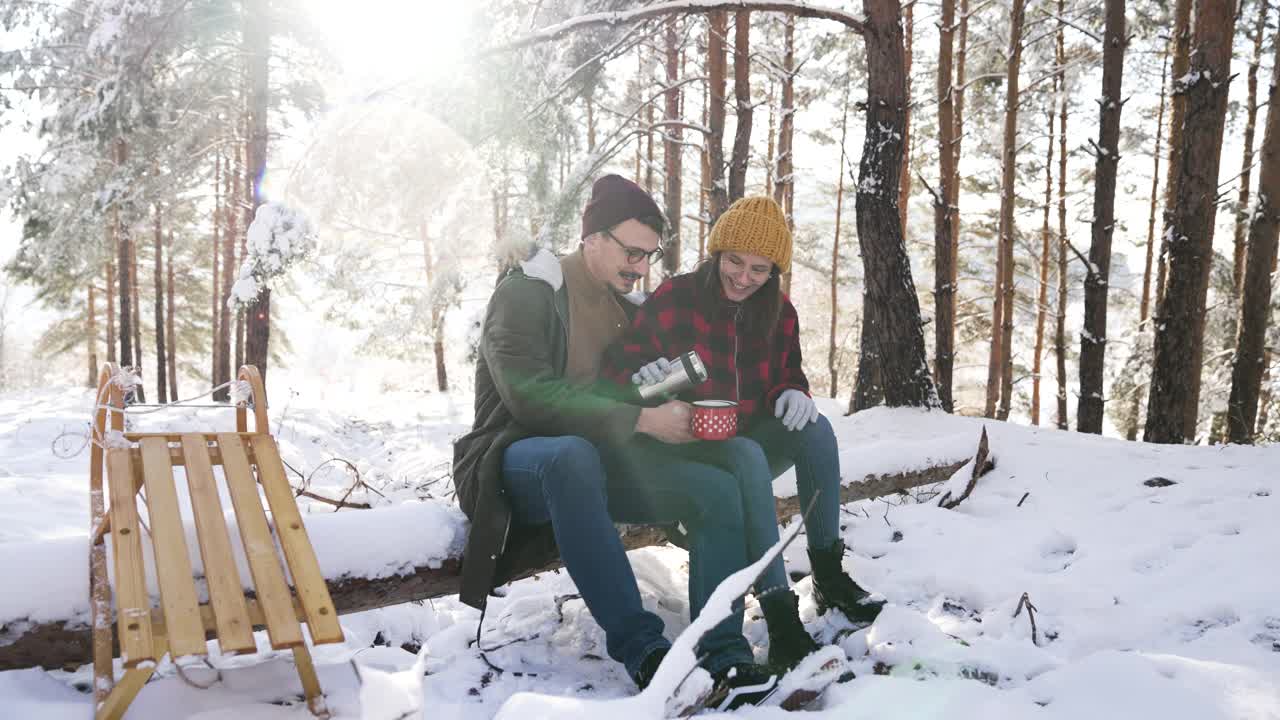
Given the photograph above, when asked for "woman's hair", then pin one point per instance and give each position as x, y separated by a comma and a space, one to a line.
763, 307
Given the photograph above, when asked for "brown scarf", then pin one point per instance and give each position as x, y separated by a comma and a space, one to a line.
595, 319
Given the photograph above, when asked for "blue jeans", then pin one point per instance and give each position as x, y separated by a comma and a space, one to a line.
753, 459
561, 480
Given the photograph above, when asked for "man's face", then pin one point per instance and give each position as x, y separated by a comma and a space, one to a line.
621, 255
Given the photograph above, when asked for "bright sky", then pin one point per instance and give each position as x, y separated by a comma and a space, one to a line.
378, 40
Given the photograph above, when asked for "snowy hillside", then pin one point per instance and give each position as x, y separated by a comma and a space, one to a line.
1151, 599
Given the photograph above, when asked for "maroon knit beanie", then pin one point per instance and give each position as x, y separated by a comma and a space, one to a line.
615, 199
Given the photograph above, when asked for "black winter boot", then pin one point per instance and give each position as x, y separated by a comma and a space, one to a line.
743, 684
649, 667
789, 642
833, 588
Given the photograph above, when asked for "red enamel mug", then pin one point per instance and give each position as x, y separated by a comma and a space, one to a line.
714, 419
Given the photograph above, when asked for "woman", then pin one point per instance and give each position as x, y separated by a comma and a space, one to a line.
732, 312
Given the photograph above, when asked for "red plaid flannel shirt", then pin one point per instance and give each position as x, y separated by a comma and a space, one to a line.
680, 316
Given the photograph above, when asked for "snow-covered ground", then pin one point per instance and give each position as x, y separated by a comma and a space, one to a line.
1149, 601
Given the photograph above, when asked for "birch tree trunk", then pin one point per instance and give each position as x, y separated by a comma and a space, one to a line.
1179, 342
1046, 249
944, 290
1144, 307
162, 354
717, 193
890, 298
998, 364
1255, 308
742, 105
257, 45
672, 147
1093, 339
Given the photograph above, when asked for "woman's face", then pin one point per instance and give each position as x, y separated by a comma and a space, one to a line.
742, 274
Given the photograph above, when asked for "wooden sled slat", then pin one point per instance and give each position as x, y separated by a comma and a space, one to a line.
133, 619
226, 595
309, 583
273, 594
169, 543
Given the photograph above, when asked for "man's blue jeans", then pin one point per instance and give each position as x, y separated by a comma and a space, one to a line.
562, 480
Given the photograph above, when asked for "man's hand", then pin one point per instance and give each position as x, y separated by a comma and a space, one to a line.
651, 373
796, 409
669, 422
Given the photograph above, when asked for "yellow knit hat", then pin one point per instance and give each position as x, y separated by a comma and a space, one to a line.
754, 225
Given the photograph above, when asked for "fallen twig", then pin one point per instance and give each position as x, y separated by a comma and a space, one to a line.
981, 465
1031, 614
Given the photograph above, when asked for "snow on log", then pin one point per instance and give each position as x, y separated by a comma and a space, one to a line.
410, 553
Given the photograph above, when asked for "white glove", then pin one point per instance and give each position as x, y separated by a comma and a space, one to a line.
796, 409
651, 373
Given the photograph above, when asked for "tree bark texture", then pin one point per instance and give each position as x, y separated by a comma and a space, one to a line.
1144, 307
215, 369
890, 298
717, 192
169, 323
999, 364
742, 105
257, 44
230, 229
953, 202
904, 173
1046, 249
137, 315
672, 148
1060, 327
92, 332
1179, 342
57, 644
125, 298
1246, 164
1093, 339
1181, 62
162, 353
944, 260
110, 293
1255, 307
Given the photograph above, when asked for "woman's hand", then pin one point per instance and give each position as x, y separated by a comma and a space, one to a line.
796, 409
669, 422
651, 373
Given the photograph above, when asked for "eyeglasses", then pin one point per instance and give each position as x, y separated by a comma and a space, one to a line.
635, 254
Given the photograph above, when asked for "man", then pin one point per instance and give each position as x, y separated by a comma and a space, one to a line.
531, 459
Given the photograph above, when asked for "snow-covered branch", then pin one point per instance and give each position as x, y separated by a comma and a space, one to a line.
626, 17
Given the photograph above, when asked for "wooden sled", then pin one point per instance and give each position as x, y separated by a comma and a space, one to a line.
180, 625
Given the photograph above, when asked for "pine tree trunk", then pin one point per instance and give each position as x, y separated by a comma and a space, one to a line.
944, 291
1255, 307
169, 319
123, 254
110, 294
1060, 329
230, 195
1246, 165
247, 205
1179, 343
999, 362
1177, 109
1046, 248
92, 336
893, 307
868, 386
1144, 307
784, 179
257, 41
742, 105
672, 149
1093, 340
137, 316
591, 119
162, 354
1265, 396
904, 173
832, 348
953, 201
770, 148
214, 363
705, 173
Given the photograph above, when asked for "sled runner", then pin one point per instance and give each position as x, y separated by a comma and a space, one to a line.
140, 464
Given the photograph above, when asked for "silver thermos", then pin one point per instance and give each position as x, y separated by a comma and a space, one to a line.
685, 372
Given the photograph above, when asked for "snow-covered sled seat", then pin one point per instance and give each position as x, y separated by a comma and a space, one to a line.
180, 625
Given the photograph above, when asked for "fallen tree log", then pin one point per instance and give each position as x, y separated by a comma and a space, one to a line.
59, 644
